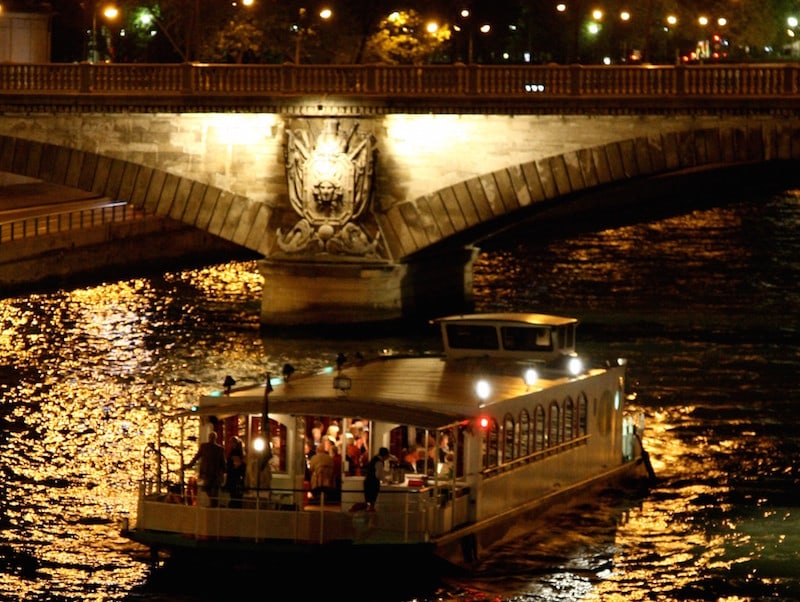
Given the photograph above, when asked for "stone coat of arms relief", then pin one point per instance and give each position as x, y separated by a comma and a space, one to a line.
330, 183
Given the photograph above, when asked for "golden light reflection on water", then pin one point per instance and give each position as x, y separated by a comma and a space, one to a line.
84, 373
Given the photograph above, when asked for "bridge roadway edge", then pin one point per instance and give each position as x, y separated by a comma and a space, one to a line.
430, 239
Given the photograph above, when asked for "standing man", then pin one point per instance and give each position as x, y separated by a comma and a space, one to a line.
211, 471
372, 480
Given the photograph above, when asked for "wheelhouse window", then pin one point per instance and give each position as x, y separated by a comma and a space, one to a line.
465, 336
517, 338
566, 336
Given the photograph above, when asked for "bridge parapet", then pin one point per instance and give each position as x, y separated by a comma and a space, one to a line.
525, 89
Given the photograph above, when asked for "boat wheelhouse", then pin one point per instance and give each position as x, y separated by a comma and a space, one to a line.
507, 421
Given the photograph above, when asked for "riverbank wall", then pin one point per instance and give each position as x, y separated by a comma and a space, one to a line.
111, 251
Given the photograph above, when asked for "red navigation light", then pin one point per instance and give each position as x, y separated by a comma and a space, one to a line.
483, 422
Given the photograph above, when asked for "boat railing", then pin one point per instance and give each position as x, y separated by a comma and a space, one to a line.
402, 515
535, 456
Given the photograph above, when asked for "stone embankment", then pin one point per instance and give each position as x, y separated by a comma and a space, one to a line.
53, 236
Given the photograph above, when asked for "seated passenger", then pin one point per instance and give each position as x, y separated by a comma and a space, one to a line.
409, 459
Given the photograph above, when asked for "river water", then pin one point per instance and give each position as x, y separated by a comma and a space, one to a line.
705, 306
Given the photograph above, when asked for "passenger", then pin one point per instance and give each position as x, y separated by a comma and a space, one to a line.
447, 468
333, 430
235, 446
409, 463
322, 466
363, 447
420, 463
316, 439
211, 471
335, 494
235, 475
358, 458
350, 454
375, 475
444, 446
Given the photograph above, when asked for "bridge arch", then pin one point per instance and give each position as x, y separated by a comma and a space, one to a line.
467, 210
228, 215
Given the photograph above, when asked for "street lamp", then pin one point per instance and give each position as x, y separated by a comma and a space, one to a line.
484, 29
110, 12
301, 28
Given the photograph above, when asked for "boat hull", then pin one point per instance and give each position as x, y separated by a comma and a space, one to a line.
466, 547
460, 548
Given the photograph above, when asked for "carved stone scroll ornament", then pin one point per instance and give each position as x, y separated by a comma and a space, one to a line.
330, 186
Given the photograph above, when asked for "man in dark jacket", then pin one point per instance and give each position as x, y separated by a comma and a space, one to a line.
211, 471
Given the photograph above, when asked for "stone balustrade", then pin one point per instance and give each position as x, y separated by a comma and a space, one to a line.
231, 83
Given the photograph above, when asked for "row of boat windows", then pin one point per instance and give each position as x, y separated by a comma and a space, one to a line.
531, 432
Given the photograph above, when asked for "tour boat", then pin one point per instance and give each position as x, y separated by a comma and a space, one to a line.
507, 422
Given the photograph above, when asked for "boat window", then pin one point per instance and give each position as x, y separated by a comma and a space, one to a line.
517, 338
490, 445
569, 419
566, 336
464, 336
538, 429
509, 433
583, 409
553, 424
524, 433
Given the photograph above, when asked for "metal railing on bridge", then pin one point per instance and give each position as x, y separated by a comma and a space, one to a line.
55, 223
442, 81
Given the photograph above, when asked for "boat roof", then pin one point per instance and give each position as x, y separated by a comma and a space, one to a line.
530, 319
424, 391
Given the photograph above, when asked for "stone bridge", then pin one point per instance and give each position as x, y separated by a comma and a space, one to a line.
370, 205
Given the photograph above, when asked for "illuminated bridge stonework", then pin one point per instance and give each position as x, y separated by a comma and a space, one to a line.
370, 208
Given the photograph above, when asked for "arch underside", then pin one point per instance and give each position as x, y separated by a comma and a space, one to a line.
473, 209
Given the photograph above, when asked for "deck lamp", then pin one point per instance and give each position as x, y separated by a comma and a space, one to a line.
228, 384
530, 376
